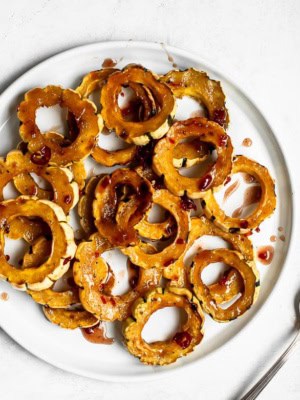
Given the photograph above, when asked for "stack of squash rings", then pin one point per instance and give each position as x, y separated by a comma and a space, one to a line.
114, 208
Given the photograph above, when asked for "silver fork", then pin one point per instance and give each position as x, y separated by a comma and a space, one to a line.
262, 383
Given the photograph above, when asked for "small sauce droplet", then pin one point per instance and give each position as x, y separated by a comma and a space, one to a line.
109, 63
247, 142
265, 254
282, 238
280, 228
4, 296
183, 339
96, 334
273, 238
257, 229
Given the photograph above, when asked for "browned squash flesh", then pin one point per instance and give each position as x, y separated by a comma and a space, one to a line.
91, 273
45, 150
85, 206
138, 132
70, 319
177, 272
264, 209
187, 154
170, 253
206, 131
63, 246
249, 276
183, 342
156, 230
17, 167
199, 86
105, 206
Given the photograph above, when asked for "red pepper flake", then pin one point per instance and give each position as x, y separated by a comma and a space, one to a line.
223, 281
97, 254
244, 224
169, 262
105, 182
112, 301
223, 140
42, 156
103, 299
205, 182
219, 116
183, 339
179, 241
67, 199
67, 260
171, 140
257, 229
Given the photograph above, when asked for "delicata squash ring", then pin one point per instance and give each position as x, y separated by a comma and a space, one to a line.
266, 205
183, 342
45, 150
207, 301
206, 131
63, 246
190, 153
70, 319
17, 167
91, 274
206, 91
201, 226
170, 253
105, 205
137, 132
94, 81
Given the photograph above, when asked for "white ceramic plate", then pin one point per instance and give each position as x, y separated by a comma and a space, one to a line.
23, 320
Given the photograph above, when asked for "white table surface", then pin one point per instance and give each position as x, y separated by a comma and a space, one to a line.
257, 43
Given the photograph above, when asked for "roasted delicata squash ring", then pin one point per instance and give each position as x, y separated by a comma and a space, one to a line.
264, 209
91, 274
201, 226
183, 342
77, 168
138, 132
228, 286
206, 131
156, 230
105, 205
79, 173
248, 274
170, 253
63, 246
85, 206
190, 153
37, 254
45, 150
70, 319
28, 229
94, 81
53, 299
206, 91
17, 167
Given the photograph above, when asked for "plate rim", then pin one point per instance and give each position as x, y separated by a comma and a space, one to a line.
144, 45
